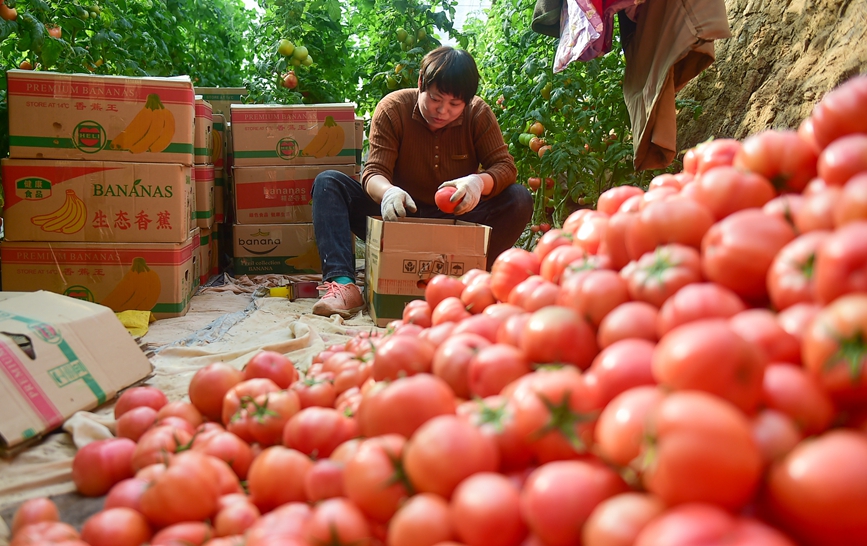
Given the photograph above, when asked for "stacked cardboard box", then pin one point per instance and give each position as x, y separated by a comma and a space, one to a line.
219, 237
277, 152
203, 176
99, 193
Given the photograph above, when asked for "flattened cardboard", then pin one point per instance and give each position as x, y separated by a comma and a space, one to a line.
204, 195
58, 200
278, 195
401, 257
58, 356
156, 277
81, 117
266, 249
202, 140
221, 98
274, 134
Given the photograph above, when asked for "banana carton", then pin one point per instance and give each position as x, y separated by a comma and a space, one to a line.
278, 195
204, 176
274, 134
266, 249
221, 98
156, 277
52, 200
89, 117
218, 139
205, 255
219, 154
202, 140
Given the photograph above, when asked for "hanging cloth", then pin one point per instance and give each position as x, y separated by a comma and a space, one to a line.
580, 26
672, 44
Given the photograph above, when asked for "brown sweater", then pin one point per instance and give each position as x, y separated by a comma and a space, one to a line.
405, 151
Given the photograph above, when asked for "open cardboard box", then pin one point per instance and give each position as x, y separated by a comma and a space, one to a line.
401, 257
59, 355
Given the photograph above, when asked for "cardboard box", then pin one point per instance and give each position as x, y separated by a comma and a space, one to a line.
204, 195
230, 149
160, 277
202, 140
359, 139
55, 200
218, 137
59, 356
273, 134
104, 118
219, 196
277, 195
267, 249
205, 257
401, 257
222, 97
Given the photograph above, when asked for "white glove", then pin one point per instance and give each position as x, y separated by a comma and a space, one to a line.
394, 204
469, 189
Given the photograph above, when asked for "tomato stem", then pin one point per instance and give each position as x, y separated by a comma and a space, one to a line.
852, 353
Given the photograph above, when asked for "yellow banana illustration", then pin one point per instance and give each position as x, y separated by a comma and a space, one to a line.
309, 260
168, 133
337, 140
79, 220
158, 123
140, 125
43, 219
321, 143
218, 146
69, 218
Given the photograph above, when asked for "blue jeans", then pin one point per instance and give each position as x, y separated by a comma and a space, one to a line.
340, 205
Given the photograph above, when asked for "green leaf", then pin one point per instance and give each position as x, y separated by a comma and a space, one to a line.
51, 51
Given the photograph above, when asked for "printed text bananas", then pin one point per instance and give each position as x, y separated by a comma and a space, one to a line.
69, 218
328, 141
152, 129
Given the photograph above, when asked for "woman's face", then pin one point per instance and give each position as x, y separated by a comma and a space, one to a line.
439, 109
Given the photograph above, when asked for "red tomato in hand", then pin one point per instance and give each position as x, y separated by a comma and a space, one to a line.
443, 199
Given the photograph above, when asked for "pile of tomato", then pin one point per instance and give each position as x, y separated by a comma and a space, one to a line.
681, 366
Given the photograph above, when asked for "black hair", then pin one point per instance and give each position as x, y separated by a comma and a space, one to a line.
453, 71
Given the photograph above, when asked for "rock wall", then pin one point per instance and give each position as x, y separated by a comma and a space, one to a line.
783, 56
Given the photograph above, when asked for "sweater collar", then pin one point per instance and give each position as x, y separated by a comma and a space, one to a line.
416, 115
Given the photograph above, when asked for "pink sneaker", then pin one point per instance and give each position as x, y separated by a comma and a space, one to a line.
341, 299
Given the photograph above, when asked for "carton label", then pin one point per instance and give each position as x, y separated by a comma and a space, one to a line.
259, 195
29, 389
96, 88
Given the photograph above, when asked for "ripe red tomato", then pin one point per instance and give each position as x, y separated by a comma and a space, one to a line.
511, 267
737, 252
446, 450
209, 385
790, 390
817, 209
558, 259
715, 153
725, 190
701, 523
441, 287
34, 510
697, 301
761, 328
611, 199
135, 422
618, 520
134, 397
403, 405
559, 497
702, 451
781, 157
271, 365
633, 319
494, 367
158, 445
424, 520
791, 275
840, 112
443, 199
318, 431
708, 356
816, 490
188, 532
452, 358
402, 356
126, 493
187, 490
374, 478
495, 417
557, 334
534, 293
116, 527
339, 522
451, 309
315, 390
99, 465
841, 263
268, 493
834, 352
593, 294
248, 388
619, 367
657, 275
417, 312
486, 511
235, 518
227, 447
677, 219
